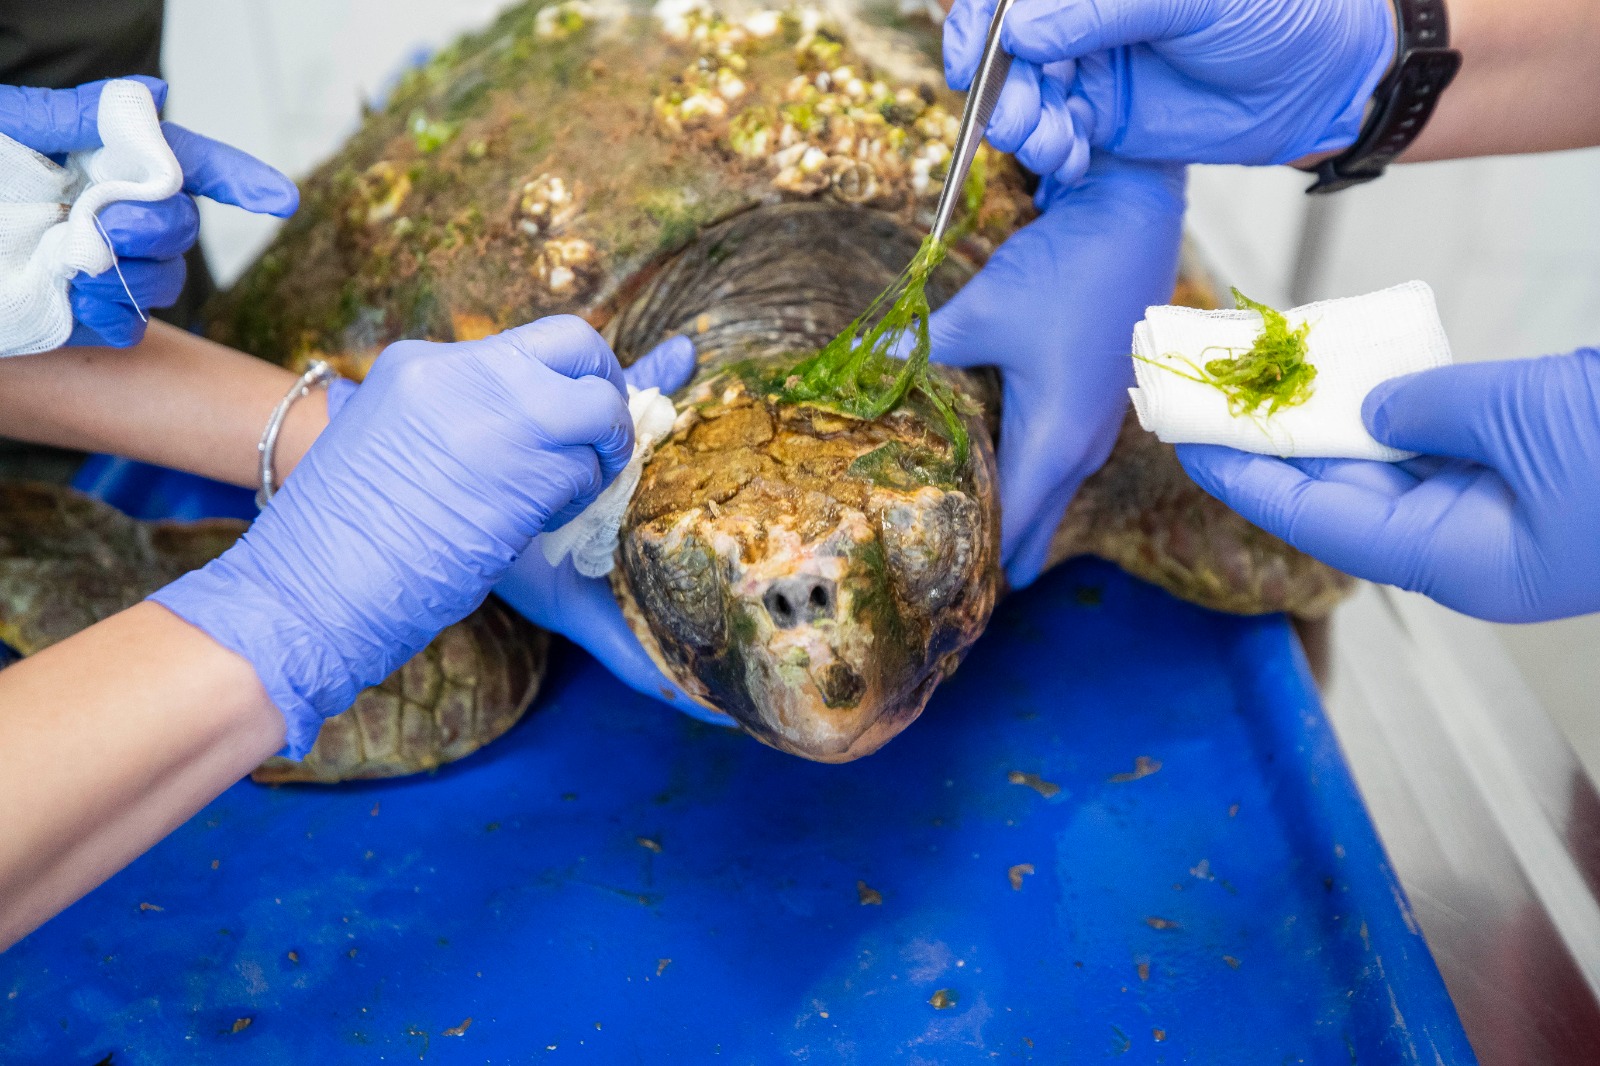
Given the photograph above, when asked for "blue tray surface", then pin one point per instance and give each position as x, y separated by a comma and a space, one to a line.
614, 882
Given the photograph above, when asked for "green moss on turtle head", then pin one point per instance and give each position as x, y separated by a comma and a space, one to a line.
906, 467
873, 603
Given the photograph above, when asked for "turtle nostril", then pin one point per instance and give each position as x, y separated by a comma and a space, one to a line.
795, 601
781, 609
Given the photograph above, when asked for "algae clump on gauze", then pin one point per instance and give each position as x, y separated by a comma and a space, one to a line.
1273, 372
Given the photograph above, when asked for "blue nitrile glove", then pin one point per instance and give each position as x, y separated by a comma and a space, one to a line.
148, 238
1506, 526
1054, 309
583, 609
340, 390
1188, 81
438, 472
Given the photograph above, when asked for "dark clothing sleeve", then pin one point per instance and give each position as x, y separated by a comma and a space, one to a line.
56, 44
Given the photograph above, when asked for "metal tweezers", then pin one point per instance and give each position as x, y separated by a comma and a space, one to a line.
981, 100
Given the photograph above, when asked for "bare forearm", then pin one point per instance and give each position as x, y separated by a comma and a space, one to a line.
175, 400
109, 741
1528, 80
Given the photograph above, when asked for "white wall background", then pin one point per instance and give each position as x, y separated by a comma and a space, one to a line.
1511, 246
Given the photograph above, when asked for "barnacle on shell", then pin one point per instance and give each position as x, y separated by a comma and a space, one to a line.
563, 261
547, 204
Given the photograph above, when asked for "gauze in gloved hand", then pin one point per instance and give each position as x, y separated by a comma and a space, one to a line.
591, 538
436, 473
49, 225
584, 609
1500, 519
149, 238
1353, 343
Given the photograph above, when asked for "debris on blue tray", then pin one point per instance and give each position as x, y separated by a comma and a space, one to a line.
1122, 831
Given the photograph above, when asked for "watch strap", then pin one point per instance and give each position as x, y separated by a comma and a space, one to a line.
1404, 99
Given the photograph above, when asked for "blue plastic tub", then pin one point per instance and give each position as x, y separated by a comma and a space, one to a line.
1189, 877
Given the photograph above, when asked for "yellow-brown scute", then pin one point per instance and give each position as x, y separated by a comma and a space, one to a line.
782, 585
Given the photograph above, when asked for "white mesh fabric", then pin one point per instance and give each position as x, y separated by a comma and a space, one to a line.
1354, 343
48, 229
591, 538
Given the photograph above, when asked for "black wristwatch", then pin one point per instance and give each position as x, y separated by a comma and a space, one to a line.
1403, 101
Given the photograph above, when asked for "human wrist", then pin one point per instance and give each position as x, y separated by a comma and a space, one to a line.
306, 421
294, 662
301, 427
1423, 68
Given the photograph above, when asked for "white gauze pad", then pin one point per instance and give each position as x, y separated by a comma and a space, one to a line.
1354, 343
48, 229
591, 537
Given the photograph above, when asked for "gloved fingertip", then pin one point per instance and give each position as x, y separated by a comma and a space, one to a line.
614, 451
675, 358
157, 230
1017, 114
230, 175
963, 41
157, 87
1192, 457
1373, 413
1072, 171
685, 360
278, 196
1208, 465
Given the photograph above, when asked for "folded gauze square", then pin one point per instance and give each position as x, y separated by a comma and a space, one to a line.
1354, 343
49, 224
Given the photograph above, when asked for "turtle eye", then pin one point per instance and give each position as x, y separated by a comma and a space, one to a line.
928, 540
677, 579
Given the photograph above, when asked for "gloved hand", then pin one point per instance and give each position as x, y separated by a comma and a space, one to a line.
1084, 273
148, 238
437, 473
1500, 519
583, 609
1190, 81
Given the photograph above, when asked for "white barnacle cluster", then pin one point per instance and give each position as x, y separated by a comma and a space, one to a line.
544, 207
836, 127
563, 261
557, 22
706, 88
547, 204
843, 129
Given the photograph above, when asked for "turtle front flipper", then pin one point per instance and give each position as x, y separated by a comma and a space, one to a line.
67, 561
1142, 512
454, 696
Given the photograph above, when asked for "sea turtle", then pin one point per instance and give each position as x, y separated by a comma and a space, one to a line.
752, 179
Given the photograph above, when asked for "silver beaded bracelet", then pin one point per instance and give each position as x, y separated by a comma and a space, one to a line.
318, 374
